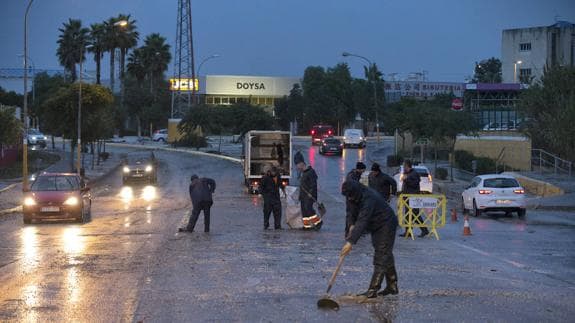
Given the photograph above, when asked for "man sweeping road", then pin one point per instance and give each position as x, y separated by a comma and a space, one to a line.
373, 216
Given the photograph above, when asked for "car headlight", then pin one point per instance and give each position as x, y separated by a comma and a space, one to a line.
344, 138
28, 201
126, 169
71, 201
45, 138
33, 138
148, 169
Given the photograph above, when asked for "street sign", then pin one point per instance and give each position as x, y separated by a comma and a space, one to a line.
457, 104
423, 202
422, 141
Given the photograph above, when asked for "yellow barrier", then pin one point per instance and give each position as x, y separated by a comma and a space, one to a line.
431, 212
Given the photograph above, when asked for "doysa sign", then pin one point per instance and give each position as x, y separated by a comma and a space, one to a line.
249, 85
423, 202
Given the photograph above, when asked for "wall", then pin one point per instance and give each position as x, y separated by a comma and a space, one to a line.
535, 59
517, 148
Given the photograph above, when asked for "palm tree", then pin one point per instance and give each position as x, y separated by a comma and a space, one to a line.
156, 57
110, 45
127, 38
71, 45
97, 39
136, 67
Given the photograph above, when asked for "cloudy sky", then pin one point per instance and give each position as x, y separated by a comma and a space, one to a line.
282, 38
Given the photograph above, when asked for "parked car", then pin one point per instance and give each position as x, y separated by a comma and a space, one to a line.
495, 192
160, 135
354, 137
320, 132
425, 181
331, 146
57, 196
501, 126
35, 137
140, 169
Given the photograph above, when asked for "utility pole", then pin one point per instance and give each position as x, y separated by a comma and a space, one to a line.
25, 105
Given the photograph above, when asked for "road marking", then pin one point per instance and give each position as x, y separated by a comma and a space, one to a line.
486, 254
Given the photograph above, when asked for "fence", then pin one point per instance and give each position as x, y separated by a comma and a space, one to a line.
421, 210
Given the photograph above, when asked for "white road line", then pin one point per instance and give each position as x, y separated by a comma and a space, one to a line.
486, 254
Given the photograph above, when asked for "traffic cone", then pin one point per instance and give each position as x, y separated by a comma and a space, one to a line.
466, 227
453, 215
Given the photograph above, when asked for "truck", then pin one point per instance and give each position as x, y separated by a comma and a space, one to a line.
262, 150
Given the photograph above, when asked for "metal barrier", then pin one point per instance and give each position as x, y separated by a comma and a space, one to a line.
421, 210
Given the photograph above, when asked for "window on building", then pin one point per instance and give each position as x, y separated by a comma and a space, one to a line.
525, 75
524, 47
217, 100
233, 100
225, 100
270, 101
209, 100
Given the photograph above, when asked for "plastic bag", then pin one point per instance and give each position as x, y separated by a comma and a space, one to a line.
293, 210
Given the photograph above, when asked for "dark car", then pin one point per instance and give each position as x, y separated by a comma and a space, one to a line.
140, 169
320, 132
57, 196
331, 146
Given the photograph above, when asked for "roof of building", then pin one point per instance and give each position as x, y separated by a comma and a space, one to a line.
562, 24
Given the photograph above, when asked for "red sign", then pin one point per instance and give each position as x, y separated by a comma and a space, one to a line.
457, 104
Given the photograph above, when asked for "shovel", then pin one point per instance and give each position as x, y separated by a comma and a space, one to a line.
326, 302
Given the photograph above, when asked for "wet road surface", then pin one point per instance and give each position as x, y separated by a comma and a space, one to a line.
130, 263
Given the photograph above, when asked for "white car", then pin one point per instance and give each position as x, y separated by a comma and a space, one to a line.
425, 180
35, 137
354, 137
160, 135
495, 192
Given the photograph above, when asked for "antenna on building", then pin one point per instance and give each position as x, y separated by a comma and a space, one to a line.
182, 99
557, 18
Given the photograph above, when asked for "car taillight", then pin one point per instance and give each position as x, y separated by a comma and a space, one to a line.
485, 192
284, 183
313, 132
329, 132
324, 144
520, 191
341, 145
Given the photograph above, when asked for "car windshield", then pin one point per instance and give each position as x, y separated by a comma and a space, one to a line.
332, 141
500, 183
353, 133
422, 172
55, 183
34, 132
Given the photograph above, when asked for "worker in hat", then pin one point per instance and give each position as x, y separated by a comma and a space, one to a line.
353, 175
382, 183
307, 194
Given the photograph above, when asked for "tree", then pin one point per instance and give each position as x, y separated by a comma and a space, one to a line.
127, 39
98, 42
111, 35
156, 57
548, 108
10, 98
61, 112
11, 128
45, 86
488, 71
71, 43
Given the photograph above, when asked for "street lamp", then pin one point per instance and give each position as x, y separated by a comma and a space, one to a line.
346, 54
200, 66
515, 70
25, 105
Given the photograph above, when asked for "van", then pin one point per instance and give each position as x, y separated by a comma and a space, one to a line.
354, 137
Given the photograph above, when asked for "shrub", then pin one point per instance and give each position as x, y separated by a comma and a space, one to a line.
463, 160
485, 165
192, 140
394, 160
441, 173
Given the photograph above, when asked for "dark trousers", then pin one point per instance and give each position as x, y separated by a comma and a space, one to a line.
201, 206
307, 209
382, 241
274, 206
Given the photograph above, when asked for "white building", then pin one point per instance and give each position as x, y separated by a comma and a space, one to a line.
526, 51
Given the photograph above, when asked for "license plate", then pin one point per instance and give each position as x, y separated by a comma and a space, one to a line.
50, 209
333, 149
138, 175
503, 201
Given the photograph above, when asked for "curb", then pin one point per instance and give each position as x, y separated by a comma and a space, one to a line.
12, 210
193, 152
9, 187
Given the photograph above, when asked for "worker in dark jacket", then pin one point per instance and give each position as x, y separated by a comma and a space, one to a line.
270, 189
353, 175
201, 190
410, 185
307, 194
377, 218
381, 182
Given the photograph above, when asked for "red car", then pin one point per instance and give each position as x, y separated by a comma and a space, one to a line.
320, 132
57, 196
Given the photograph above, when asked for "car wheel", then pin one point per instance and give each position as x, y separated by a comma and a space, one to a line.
476, 211
521, 212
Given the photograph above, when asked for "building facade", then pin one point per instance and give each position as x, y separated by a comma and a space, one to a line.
526, 51
256, 90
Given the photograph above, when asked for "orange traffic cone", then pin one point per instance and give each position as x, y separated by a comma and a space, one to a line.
453, 215
466, 227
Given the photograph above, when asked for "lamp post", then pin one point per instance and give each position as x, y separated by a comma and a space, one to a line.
25, 104
346, 54
515, 70
200, 66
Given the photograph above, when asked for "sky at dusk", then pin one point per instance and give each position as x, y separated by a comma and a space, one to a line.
281, 38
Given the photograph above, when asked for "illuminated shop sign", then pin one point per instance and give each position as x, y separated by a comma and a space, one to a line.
250, 86
184, 84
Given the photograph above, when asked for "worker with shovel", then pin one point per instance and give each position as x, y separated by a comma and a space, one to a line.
376, 217
308, 194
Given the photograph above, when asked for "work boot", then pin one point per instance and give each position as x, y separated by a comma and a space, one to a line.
374, 285
424, 232
391, 283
